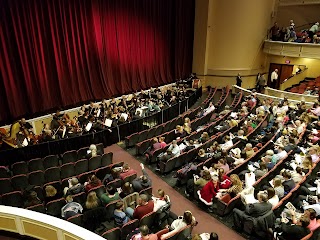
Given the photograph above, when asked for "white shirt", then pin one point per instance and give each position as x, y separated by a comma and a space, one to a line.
274, 76
274, 200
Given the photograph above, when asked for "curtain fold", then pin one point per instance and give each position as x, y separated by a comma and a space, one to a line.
59, 54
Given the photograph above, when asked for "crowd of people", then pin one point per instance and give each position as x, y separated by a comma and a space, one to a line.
289, 34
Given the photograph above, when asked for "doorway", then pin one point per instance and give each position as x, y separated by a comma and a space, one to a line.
284, 72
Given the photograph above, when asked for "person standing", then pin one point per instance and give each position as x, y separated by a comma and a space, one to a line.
313, 30
239, 80
275, 31
261, 83
274, 78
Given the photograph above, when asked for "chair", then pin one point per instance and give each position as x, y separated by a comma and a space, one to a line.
52, 174
147, 191
93, 218
81, 166
67, 170
161, 232
128, 228
130, 178
19, 168
101, 172
69, 157
182, 234
20, 182
94, 163
50, 161
106, 159
99, 190
115, 183
80, 197
35, 165
133, 197
36, 178
110, 207
13, 199
5, 185
54, 207
82, 153
4, 172
37, 208
112, 234
39, 192
76, 219
259, 226
148, 219
84, 176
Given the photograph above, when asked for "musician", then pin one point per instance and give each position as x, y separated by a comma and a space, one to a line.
47, 134
56, 120
25, 125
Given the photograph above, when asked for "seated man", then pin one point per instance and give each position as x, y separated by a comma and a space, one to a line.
144, 234
254, 210
71, 208
126, 171
161, 200
142, 209
288, 182
143, 181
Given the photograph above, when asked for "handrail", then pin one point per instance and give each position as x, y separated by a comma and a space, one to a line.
290, 95
264, 96
40, 226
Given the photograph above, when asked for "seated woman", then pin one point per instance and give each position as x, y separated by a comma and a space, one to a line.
180, 223
278, 187
179, 132
161, 200
236, 187
120, 217
163, 144
187, 128
222, 163
154, 147
209, 191
92, 201
92, 182
196, 181
92, 152
74, 187
234, 157
127, 189
32, 199
227, 143
272, 197
187, 121
50, 194
201, 157
204, 137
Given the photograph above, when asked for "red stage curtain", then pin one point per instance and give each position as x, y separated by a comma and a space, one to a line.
63, 53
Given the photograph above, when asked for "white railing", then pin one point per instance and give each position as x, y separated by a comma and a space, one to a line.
41, 226
297, 2
265, 96
296, 79
290, 95
292, 49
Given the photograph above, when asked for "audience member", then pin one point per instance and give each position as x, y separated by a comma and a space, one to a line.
71, 208
143, 181
120, 217
110, 196
32, 199
92, 201
126, 171
50, 194
144, 234
127, 189
144, 207
74, 187
92, 182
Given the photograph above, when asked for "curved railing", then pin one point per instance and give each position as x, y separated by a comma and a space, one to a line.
290, 95
295, 79
261, 96
41, 226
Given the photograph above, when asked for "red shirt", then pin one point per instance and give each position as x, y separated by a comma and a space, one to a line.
140, 211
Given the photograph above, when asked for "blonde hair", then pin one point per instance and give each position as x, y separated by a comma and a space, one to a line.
92, 200
236, 180
50, 191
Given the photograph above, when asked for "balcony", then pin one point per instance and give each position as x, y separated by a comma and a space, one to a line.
291, 49
297, 2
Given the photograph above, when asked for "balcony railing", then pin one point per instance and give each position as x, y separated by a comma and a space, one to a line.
297, 2
291, 49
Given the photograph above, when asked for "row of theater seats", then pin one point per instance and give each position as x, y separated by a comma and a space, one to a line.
142, 146
135, 138
302, 87
194, 135
185, 157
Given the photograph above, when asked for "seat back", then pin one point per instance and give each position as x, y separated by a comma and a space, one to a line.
67, 170
54, 207
19, 168
117, 183
50, 161
76, 219
130, 178
106, 159
80, 197
35, 165
82, 152
52, 174
69, 157
38, 208
112, 234
20, 182
128, 228
110, 207
4, 172
183, 234
36, 178
13, 199
81, 166
148, 219
94, 163
133, 197
99, 190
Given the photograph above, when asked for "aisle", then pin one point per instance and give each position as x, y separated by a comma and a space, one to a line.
179, 203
